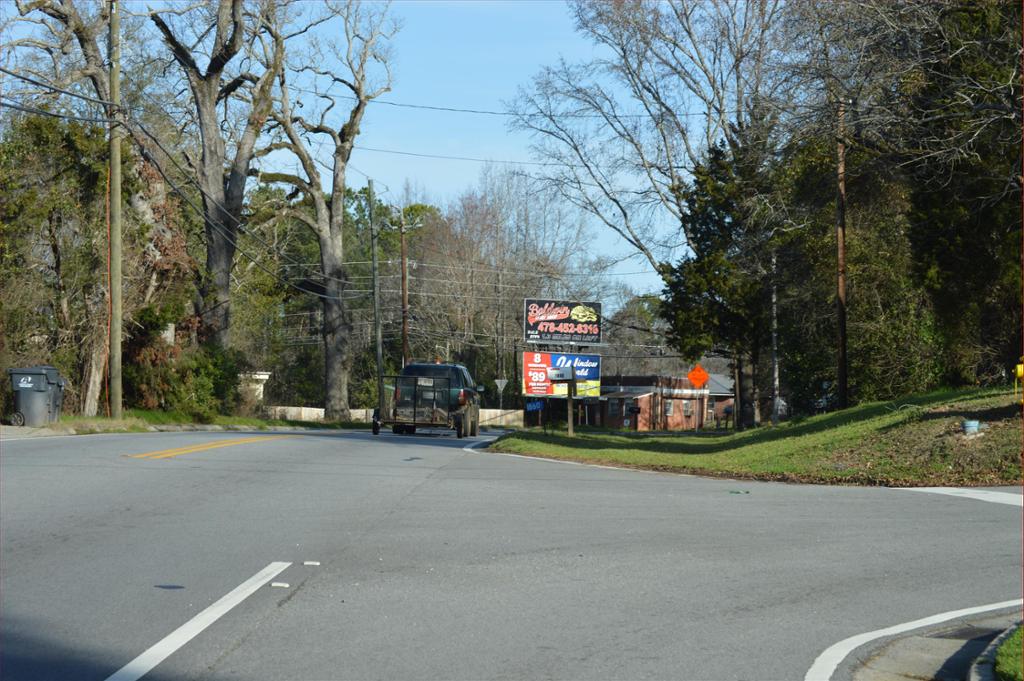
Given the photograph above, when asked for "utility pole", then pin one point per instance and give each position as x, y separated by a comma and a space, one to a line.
115, 211
500, 335
775, 342
841, 251
406, 354
376, 305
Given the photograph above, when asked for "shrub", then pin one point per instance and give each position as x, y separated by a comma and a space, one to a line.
207, 383
193, 395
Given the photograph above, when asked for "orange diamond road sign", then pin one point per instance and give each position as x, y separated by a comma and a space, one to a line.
698, 377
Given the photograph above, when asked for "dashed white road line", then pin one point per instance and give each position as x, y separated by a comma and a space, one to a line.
827, 663
1008, 498
145, 662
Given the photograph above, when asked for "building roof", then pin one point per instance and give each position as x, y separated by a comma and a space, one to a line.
624, 394
720, 384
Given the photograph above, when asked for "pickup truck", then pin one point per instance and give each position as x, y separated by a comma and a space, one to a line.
432, 396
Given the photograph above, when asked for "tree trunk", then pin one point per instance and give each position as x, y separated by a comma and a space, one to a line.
220, 222
337, 334
737, 388
755, 383
215, 281
94, 376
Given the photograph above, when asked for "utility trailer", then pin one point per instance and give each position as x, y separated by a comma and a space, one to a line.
430, 396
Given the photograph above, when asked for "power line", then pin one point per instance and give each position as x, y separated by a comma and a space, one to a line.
489, 112
51, 86
241, 228
487, 267
238, 223
42, 112
225, 234
456, 158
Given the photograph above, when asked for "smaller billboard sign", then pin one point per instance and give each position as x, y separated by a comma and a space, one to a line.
537, 381
559, 321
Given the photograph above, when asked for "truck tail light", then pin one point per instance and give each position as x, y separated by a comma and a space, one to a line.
462, 397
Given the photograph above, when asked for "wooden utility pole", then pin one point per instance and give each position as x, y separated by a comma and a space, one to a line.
841, 253
115, 210
406, 354
775, 341
376, 304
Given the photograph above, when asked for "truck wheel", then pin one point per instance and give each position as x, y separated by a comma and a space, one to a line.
460, 427
17, 419
376, 428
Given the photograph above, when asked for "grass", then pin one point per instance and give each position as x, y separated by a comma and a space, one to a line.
139, 420
909, 442
176, 418
1008, 658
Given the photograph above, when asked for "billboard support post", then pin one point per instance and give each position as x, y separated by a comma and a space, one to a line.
570, 391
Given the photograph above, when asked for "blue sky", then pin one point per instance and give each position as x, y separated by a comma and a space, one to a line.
467, 55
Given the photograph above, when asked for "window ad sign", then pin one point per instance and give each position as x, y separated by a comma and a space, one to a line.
537, 383
560, 321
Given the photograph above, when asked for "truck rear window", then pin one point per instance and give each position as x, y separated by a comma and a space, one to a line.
427, 370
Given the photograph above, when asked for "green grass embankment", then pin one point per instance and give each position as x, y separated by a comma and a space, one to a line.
141, 420
913, 441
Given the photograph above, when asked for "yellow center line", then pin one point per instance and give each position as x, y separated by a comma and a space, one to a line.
178, 451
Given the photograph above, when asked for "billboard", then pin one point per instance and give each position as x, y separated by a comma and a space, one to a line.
560, 321
535, 374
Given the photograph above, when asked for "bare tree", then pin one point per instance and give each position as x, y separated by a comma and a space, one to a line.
366, 30
217, 36
919, 81
621, 133
223, 36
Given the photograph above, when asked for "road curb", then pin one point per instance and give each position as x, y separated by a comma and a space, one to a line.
984, 667
25, 433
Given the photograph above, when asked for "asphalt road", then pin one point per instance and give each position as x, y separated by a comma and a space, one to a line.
435, 562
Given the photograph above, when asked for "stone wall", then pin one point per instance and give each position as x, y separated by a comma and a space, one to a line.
508, 418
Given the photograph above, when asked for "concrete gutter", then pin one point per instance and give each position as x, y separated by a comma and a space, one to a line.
947, 652
984, 667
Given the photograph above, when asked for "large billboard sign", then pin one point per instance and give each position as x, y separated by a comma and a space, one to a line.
559, 321
536, 381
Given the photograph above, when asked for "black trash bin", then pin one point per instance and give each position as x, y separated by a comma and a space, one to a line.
56, 384
38, 395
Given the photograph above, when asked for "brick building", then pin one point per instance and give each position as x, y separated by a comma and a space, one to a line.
644, 403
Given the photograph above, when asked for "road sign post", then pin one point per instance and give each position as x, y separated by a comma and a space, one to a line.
501, 383
698, 377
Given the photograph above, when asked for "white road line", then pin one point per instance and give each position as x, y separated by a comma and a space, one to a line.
827, 663
473, 448
142, 664
1008, 498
